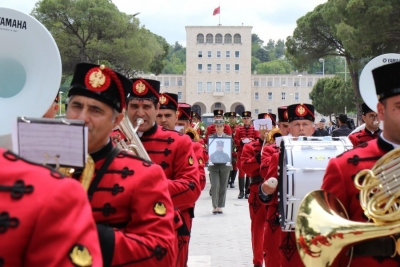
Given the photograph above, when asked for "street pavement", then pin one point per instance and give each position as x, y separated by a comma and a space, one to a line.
222, 239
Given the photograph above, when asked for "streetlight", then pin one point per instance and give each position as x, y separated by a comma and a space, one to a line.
321, 60
59, 102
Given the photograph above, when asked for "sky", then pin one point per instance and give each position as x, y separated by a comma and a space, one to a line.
270, 19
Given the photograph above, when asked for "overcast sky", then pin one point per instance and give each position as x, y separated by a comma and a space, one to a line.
271, 19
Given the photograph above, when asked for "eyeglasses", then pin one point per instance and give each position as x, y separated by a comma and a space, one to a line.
372, 116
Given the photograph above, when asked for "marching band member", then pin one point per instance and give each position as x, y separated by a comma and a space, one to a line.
371, 130
340, 173
272, 232
171, 150
301, 123
244, 134
184, 111
53, 109
45, 219
251, 159
129, 195
218, 115
168, 113
233, 124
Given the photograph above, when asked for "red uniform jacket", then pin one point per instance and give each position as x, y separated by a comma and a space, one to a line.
339, 180
200, 153
134, 212
251, 158
243, 132
45, 220
363, 136
173, 151
211, 130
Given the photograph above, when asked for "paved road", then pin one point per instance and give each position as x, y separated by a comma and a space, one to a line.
222, 239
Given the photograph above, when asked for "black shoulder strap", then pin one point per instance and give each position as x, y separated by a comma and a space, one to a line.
110, 157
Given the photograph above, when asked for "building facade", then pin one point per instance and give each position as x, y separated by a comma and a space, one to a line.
218, 75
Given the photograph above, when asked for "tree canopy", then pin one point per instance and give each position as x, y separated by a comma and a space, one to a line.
96, 31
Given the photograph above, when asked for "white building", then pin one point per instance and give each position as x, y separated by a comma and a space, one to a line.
218, 75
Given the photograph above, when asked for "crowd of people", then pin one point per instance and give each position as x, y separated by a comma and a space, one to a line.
138, 210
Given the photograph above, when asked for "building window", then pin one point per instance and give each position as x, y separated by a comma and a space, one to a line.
256, 83
218, 38
209, 54
270, 110
228, 38
283, 96
237, 87
166, 83
256, 111
218, 105
179, 95
309, 84
228, 67
283, 83
228, 54
199, 87
227, 86
209, 38
237, 39
180, 82
218, 53
256, 96
237, 54
200, 54
218, 67
218, 87
209, 86
200, 67
209, 67
237, 67
269, 83
269, 95
296, 83
200, 38
296, 96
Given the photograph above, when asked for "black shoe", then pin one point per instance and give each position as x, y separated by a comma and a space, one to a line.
241, 195
246, 196
210, 193
232, 186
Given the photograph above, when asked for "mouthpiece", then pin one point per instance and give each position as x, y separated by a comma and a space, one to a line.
139, 122
376, 122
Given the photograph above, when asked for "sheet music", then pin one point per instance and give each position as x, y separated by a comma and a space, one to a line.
51, 141
267, 122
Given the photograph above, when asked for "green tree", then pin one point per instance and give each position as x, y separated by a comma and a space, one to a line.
332, 96
96, 31
277, 66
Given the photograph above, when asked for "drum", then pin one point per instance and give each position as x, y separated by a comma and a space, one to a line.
302, 164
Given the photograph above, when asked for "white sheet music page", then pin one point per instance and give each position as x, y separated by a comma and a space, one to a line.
52, 141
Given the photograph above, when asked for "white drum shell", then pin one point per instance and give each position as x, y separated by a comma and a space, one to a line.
301, 170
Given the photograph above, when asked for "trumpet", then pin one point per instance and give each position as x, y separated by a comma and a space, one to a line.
135, 145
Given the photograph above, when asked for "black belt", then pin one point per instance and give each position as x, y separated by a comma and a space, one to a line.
378, 247
256, 180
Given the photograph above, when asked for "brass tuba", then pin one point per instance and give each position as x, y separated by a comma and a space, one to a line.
275, 132
322, 229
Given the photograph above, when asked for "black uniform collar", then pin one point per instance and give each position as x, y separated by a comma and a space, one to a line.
384, 145
103, 152
151, 131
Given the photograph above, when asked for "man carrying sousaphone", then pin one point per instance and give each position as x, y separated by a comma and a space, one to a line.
340, 173
301, 123
129, 195
251, 159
